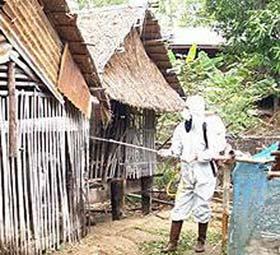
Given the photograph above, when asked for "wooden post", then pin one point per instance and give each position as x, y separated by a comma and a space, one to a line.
146, 186
275, 104
226, 204
117, 195
12, 110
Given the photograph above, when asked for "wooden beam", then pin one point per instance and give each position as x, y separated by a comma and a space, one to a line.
25, 68
12, 110
151, 22
155, 49
172, 79
159, 57
63, 18
164, 65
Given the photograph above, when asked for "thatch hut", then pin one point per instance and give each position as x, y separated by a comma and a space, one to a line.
132, 62
45, 103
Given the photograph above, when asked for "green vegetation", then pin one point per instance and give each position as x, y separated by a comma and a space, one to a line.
252, 30
246, 72
232, 90
188, 240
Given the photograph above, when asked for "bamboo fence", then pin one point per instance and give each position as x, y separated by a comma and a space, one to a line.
43, 188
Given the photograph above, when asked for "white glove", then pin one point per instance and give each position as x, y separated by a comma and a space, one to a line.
165, 153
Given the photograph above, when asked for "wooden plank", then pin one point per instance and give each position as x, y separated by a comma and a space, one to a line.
71, 80
18, 76
27, 70
33, 169
47, 182
19, 180
2, 158
158, 57
12, 110
6, 180
155, 50
62, 184
23, 108
39, 173
64, 176
29, 174
226, 204
57, 168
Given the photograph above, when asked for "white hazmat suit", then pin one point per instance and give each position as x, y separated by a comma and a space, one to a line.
198, 180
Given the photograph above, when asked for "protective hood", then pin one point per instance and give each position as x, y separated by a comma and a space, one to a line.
196, 105
194, 113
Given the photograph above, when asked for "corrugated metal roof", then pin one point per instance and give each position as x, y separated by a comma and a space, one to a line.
27, 29
196, 35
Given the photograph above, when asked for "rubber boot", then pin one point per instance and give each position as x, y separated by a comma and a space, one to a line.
202, 232
175, 231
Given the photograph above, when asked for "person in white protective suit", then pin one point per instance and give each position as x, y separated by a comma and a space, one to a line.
196, 141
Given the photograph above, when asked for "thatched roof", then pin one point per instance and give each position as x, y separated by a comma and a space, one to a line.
131, 77
106, 32
105, 29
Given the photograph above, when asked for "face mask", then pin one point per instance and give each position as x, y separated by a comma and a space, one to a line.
186, 115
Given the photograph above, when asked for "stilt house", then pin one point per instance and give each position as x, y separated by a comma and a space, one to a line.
132, 61
45, 103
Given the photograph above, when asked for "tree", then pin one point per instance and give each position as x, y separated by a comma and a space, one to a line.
252, 29
183, 13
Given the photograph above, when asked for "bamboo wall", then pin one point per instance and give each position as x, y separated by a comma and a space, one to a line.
42, 189
106, 158
113, 161
140, 163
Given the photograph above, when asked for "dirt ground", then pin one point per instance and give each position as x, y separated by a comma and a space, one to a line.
138, 235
